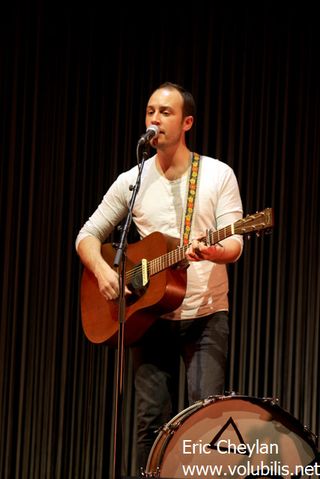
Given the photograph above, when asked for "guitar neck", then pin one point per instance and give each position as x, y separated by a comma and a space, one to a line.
178, 254
166, 260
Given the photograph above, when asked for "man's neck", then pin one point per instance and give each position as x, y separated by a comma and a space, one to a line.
173, 164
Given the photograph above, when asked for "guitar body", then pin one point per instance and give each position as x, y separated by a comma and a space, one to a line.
164, 292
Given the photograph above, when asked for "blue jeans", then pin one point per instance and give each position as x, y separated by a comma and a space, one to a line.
203, 345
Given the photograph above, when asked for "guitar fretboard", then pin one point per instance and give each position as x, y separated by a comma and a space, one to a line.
166, 260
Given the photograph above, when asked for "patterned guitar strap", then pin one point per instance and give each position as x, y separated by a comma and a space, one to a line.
191, 197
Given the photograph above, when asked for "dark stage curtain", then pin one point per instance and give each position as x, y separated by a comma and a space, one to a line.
74, 82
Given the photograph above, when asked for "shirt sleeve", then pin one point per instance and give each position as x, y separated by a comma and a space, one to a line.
229, 208
109, 213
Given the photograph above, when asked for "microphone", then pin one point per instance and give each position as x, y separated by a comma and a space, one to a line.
152, 132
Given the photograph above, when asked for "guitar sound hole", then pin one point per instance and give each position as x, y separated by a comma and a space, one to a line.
136, 287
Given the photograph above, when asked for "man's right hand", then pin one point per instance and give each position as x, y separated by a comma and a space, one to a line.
89, 250
108, 281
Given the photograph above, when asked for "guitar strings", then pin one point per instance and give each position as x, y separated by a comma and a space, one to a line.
156, 263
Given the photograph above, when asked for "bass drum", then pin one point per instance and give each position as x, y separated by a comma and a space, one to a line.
233, 437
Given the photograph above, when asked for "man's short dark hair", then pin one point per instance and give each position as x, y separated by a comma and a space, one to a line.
189, 106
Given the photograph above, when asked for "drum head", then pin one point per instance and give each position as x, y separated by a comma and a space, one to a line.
233, 437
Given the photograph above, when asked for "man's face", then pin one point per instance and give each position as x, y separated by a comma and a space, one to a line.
165, 109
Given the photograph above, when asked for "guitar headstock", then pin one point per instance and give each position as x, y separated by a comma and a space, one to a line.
262, 220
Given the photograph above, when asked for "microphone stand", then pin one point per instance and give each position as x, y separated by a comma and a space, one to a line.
120, 263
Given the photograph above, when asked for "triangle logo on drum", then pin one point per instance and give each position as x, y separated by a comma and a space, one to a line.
218, 438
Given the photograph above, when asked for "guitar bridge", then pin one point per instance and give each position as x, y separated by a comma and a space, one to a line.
144, 274
140, 278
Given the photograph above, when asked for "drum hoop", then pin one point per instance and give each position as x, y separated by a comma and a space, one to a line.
170, 427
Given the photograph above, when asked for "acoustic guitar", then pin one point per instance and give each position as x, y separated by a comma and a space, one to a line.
156, 274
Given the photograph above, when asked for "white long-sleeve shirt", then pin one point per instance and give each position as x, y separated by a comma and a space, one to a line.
160, 206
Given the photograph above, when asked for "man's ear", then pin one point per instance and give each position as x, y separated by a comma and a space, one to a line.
188, 122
